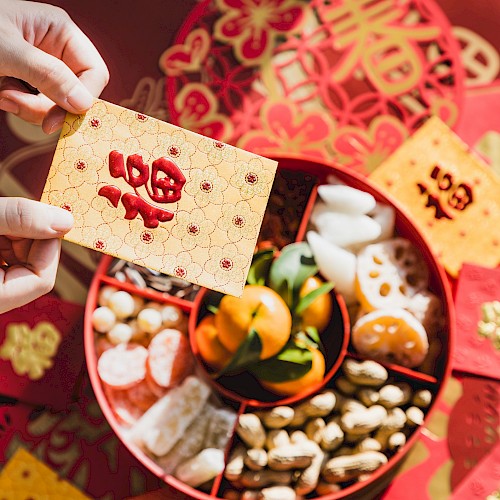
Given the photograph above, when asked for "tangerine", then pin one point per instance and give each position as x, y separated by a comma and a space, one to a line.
259, 308
209, 346
319, 312
313, 377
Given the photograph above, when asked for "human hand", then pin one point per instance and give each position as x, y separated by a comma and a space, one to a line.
41, 45
30, 246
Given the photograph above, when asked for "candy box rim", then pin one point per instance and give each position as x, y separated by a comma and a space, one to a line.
381, 477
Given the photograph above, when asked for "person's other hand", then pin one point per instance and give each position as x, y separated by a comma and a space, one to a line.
30, 245
41, 45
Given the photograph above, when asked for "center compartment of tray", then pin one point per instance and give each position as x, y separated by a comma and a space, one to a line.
243, 387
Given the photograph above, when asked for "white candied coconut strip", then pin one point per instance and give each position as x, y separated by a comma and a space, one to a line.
385, 215
335, 264
346, 199
166, 421
203, 467
347, 229
191, 443
220, 428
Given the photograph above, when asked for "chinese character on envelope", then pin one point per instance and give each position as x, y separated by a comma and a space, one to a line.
450, 194
152, 193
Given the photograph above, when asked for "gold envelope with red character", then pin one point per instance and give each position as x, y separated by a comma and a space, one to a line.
163, 197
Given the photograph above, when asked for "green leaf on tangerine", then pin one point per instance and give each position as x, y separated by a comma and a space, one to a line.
290, 270
247, 354
212, 309
292, 363
308, 299
259, 270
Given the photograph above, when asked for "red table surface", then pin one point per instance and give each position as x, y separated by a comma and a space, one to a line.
131, 36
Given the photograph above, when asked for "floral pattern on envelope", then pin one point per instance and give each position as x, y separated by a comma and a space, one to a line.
152, 193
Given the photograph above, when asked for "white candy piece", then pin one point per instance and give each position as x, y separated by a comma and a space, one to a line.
347, 229
220, 428
104, 294
346, 199
121, 333
149, 320
103, 319
191, 443
203, 467
335, 264
172, 316
122, 304
320, 208
385, 215
159, 429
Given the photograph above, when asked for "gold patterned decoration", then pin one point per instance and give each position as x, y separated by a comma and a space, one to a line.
31, 351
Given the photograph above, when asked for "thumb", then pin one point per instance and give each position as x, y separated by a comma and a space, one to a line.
50, 76
23, 218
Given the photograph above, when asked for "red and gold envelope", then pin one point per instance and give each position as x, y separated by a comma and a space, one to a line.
41, 351
483, 481
152, 193
477, 348
451, 195
25, 477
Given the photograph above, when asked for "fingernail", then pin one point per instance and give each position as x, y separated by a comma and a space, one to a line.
79, 98
9, 106
54, 126
62, 220
54, 120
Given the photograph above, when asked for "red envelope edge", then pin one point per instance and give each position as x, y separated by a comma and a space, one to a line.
473, 353
472, 428
483, 481
41, 351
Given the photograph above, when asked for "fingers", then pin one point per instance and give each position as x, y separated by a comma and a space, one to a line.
49, 75
20, 217
53, 120
22, 284
14, 98
30, 244
84, 60
63, 65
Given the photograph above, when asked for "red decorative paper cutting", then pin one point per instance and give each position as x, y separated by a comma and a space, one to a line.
361, 65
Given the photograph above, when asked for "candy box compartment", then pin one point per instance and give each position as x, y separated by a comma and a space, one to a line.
244, 388
300, 202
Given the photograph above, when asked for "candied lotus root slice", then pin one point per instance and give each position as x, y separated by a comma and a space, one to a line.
389, 273
392, 336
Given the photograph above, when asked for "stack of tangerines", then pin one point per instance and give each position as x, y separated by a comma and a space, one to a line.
274, 329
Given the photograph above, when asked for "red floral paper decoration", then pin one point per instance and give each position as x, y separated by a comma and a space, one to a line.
340, 79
